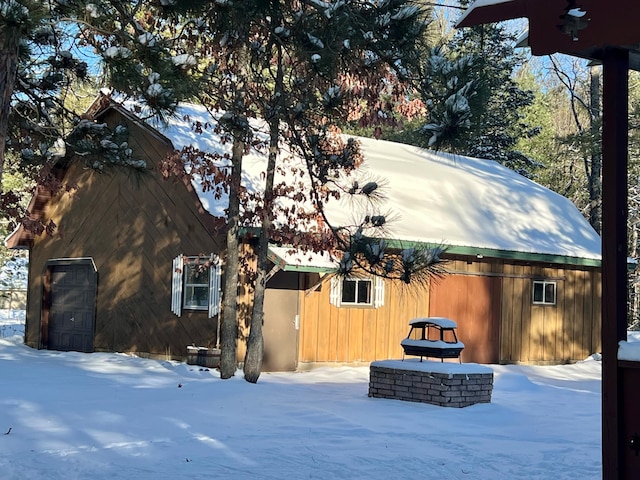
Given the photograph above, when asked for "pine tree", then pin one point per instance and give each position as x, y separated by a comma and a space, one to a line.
48, 49
474, 103
297, 65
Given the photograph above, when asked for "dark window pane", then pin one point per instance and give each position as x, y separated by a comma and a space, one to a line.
196, 297
550, 293
544, 293
196, 275
196, 287
364, 291
349, 291
538, 292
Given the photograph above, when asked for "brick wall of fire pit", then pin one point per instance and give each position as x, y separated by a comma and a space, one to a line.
443, 384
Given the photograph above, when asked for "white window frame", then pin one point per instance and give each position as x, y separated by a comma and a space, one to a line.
356, 300
545, 300
191, 287
377, 292
178, 284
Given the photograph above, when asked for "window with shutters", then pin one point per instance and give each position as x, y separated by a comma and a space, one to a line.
357, 292
196, 284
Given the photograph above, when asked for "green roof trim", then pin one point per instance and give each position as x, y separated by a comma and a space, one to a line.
503, 254
525, 256
478, 252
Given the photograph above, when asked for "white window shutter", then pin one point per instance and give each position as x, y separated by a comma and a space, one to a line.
335, 295
176, 285
215, 276
378, 300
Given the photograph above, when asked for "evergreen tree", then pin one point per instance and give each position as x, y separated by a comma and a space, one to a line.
474, 103
298, 65
49, 48
541, 112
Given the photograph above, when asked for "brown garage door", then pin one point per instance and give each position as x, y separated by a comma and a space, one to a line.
70, 304
473, 302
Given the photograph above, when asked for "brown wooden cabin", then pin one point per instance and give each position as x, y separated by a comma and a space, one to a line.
491, 300
103, 281
108, 280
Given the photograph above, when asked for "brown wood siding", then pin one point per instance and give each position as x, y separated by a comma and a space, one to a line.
499, 290
510, 331
473, 302
596, 302
565, 332
348, 334
132, 228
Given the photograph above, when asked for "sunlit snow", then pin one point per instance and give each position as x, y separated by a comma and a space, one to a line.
104, 416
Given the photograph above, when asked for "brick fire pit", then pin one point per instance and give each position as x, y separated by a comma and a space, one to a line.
445, 384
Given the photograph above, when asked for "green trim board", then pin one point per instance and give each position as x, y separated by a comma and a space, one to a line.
288, 264
480, 252
524, 256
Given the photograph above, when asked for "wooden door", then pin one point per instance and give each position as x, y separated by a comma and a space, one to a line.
70, 304
473, 302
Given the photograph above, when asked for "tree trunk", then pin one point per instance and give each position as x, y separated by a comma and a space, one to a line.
595, 178
229, 321
255, 343
8, 73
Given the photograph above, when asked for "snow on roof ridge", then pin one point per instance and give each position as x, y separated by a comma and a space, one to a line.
440, 198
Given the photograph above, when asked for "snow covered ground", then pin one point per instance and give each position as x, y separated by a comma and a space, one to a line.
11, 322
112, 416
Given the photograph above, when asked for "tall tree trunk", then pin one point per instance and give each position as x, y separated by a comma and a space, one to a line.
238, 127
595, 178
8, 72
255, 343
229, 326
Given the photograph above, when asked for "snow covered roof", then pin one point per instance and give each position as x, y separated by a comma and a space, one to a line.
481, 4
470, 202
470, 205
295, 259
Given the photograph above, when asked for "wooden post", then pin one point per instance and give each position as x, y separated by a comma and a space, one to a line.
614, 255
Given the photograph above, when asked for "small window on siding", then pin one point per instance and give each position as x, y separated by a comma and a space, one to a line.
354, 292
544, 293
195, 287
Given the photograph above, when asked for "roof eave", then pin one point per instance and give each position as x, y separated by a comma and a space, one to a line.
481, 12
477, 252
286, 266
525, 256
480, 252
17, 240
